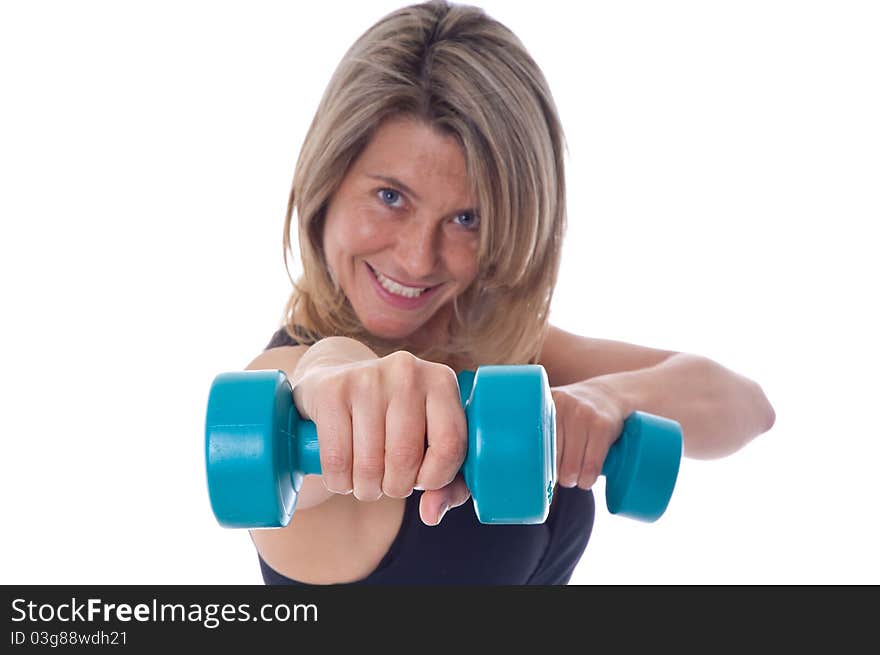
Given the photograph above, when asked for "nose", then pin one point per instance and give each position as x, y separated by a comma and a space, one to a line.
418, 249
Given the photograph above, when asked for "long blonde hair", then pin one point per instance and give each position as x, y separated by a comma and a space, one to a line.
467, 75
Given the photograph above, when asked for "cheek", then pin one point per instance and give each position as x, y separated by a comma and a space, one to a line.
352, 231
361, 231
464, 262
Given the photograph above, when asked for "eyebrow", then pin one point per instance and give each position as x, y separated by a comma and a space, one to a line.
393, 181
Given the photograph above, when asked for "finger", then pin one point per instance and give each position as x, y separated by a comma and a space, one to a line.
368, 438
576, 439
600, 439
404, 443
446, 436
333, 425
435, 503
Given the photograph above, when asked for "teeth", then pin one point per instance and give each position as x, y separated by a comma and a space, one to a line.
398, 289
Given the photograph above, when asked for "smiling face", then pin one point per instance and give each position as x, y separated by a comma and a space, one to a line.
402, 231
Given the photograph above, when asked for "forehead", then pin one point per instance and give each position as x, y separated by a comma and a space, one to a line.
414, 151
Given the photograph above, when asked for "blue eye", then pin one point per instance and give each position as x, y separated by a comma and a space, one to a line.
473, 221
389, 196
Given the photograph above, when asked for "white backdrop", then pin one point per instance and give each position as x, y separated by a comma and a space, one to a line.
723, 172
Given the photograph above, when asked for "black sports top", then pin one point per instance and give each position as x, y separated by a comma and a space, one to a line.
461, 550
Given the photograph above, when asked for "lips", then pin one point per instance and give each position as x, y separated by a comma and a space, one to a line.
425, 287
398, 301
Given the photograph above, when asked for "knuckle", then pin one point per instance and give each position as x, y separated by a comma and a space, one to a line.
334, 460
403, 370
584, 415
441, 371
364, 380
590, 469
571, 463
402, 361
449, 450
563, 399
369, 466
405, 456
446, 379
331, 386
327, 405
603, 422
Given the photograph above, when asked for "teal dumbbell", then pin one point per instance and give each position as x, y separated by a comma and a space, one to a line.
258, 449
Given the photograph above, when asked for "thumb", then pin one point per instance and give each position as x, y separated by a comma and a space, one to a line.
435, 502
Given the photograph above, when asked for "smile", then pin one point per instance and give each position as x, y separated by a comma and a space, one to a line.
398, 289
399, 295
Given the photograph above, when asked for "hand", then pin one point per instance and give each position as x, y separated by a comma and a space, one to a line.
374, 419
589, 419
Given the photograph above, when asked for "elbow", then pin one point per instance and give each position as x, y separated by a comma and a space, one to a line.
764, 410
771, 416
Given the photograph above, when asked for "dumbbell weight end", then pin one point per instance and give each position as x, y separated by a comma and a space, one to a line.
642, 466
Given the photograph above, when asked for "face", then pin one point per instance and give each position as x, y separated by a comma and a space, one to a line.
402, 231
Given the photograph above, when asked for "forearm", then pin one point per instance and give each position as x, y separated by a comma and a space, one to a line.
719, 410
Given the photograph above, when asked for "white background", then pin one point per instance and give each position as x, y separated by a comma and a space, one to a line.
723, 173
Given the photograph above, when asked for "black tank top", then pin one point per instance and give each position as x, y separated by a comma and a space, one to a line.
461, 550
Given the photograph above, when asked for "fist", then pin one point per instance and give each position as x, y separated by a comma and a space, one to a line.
589, 418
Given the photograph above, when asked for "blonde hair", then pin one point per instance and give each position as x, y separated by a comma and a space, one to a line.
467, 75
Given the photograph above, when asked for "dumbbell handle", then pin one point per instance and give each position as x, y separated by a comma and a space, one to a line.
305, 444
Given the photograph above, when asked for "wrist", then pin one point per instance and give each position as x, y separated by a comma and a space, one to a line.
621, 389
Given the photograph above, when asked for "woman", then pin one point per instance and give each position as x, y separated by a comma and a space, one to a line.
430, 195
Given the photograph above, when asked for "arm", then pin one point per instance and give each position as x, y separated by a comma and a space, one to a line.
331, 538
571, 358
719, 410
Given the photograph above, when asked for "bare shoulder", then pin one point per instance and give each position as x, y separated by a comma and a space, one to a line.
570, 357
